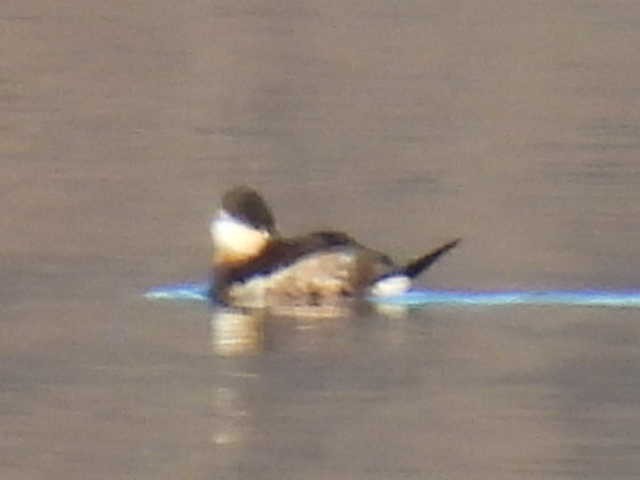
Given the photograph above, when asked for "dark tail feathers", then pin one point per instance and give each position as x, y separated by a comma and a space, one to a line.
419, 265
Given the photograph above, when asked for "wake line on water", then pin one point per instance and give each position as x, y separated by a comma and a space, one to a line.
423, 297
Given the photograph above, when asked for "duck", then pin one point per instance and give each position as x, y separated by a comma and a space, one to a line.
253, 265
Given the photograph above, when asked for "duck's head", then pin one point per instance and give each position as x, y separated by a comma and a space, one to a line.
242, 228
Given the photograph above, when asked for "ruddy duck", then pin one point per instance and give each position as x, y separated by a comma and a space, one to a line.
254, 266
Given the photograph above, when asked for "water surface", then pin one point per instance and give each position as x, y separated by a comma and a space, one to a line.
407, 124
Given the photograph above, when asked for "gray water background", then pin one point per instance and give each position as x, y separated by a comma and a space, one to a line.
514, 125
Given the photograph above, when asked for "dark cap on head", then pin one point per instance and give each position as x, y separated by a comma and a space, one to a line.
247, 205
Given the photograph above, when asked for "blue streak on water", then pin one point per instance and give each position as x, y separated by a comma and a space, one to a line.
196, 291
423, 297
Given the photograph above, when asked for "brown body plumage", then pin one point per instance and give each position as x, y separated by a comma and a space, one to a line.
254, 266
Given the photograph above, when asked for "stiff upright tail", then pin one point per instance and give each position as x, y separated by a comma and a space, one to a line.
419, 265
399, 280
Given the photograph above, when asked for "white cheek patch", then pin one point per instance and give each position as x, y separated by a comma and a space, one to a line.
235, 237
391, 286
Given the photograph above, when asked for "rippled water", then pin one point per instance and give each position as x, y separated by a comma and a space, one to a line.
514, 127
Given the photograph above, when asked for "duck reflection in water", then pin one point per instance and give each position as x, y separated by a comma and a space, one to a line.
250, 331
236, 332
241, 331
